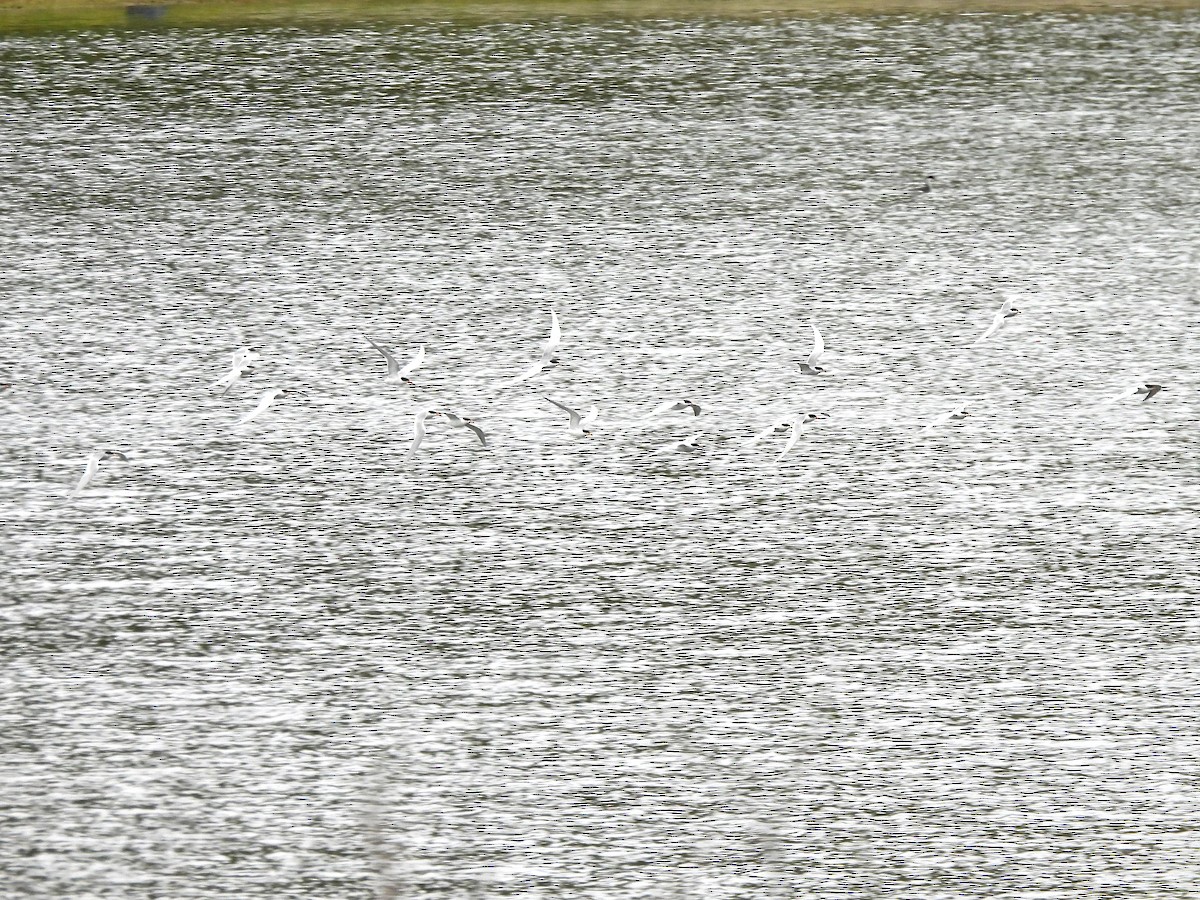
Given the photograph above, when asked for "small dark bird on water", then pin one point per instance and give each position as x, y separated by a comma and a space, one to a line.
927, 187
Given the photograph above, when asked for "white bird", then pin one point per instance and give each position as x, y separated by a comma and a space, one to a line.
775, 428
687, 445
93, 464
555, 339
809, 366
419, 428
576, 421
1145, 391
800, 425
1007, 310
468, 424
668, 406
547, 357
241, 367
397, 374
266, 400
955, 415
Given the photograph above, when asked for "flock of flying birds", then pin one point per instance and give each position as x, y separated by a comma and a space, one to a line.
577, 422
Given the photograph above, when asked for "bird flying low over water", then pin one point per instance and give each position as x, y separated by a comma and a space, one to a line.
468, 424
93, 465
555, 339
669, 406
397, 374
263, 404
419, 428
687, 445
779, 427
575, 421
1145, 391
241, 368
547, 357
1007, 310
809, 366
955, 415
798, 428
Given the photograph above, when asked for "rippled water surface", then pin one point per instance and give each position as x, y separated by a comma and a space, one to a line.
292, 660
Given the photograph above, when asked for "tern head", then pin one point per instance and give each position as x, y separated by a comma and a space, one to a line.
114, 454
1012, 312
928, 185
406, 380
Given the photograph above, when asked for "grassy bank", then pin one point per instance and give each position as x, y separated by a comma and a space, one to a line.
26, 15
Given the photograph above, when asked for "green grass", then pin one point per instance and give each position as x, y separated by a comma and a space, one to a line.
37, 15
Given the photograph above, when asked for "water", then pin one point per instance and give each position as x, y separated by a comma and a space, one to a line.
290, 661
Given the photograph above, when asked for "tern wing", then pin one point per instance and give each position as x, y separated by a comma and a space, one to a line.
997, 321
479, 435
575, 417
1125, 392
665, 407
679, 445
258, 410
419, 428
230, 380
991, 329
941, 419
89, 473
791, 441
555, 336
414, 363
227, 379
530, 372
393, 366
818, 349
761, 436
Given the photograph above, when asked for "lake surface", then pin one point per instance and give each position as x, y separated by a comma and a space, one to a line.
292, 660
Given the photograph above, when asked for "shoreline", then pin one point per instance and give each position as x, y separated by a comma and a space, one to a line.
66, 15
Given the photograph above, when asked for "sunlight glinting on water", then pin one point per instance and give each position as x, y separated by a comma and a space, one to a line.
290, 659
